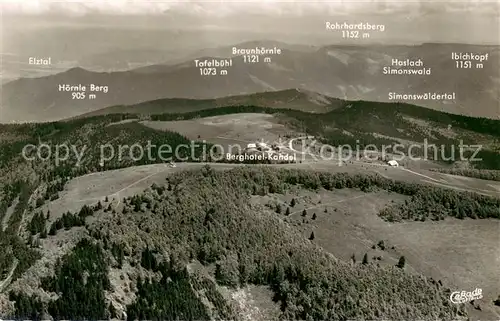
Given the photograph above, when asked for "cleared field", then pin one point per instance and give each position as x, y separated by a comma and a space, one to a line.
480, 186
114, 184
414, 171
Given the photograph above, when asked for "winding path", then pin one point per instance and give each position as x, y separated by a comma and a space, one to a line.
6, 281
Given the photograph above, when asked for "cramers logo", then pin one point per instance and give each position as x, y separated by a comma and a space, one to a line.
463, 297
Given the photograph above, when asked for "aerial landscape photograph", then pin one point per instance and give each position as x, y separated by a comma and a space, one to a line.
258, 160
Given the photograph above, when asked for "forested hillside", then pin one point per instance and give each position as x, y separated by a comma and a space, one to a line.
363, 123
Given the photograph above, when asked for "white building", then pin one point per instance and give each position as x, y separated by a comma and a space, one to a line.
251, 146
393, 163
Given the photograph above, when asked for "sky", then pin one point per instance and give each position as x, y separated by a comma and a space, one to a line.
230, 7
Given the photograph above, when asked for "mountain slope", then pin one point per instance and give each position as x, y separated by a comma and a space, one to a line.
348, 72
207, 218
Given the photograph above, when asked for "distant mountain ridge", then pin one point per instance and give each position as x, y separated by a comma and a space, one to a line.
348, 72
